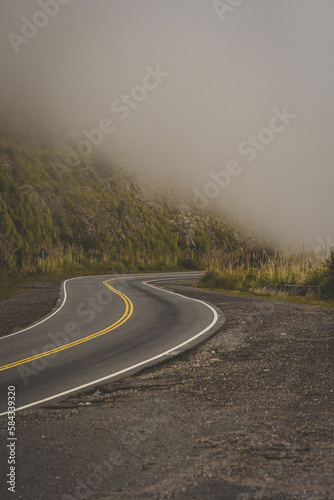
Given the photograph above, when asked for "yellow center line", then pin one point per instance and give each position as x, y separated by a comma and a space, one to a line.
127, 314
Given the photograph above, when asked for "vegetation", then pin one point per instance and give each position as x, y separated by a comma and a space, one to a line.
248, 270
92, 218
326, 276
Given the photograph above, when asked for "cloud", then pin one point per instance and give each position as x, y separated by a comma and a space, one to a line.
225, 78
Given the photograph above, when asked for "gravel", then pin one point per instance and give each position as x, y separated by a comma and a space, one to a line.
247, 415
34, 301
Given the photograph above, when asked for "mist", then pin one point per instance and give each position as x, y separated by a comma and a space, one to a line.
231, 101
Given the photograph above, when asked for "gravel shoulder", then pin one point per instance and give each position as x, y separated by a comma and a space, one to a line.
247, 415
33, 302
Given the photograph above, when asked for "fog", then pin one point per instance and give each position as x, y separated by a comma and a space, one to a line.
231, 100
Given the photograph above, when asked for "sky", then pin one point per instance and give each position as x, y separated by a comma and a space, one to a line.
231, 100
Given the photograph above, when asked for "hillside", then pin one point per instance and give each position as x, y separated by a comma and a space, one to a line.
98, 216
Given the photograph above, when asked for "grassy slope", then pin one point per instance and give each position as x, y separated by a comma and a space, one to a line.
94, 218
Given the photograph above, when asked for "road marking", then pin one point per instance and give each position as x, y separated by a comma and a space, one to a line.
118, 323
43, 320
127, 314
137, 365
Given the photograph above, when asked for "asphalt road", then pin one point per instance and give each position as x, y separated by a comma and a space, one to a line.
104, 327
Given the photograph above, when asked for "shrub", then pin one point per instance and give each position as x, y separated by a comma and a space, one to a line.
189, 264
327, 283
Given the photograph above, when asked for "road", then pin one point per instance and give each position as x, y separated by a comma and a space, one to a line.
104, 327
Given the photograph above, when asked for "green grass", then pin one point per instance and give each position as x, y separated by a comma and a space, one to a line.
91, 219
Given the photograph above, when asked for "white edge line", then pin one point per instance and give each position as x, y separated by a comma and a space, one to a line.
166, 353
63, 303
47, 317
55, 312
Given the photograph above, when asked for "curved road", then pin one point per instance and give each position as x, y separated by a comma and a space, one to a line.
105, 327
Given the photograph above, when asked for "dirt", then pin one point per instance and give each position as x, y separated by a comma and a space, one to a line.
34, 300
247, 415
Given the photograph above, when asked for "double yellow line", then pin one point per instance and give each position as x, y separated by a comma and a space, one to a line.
126, 315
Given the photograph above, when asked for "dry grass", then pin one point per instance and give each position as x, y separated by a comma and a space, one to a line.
247, 269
